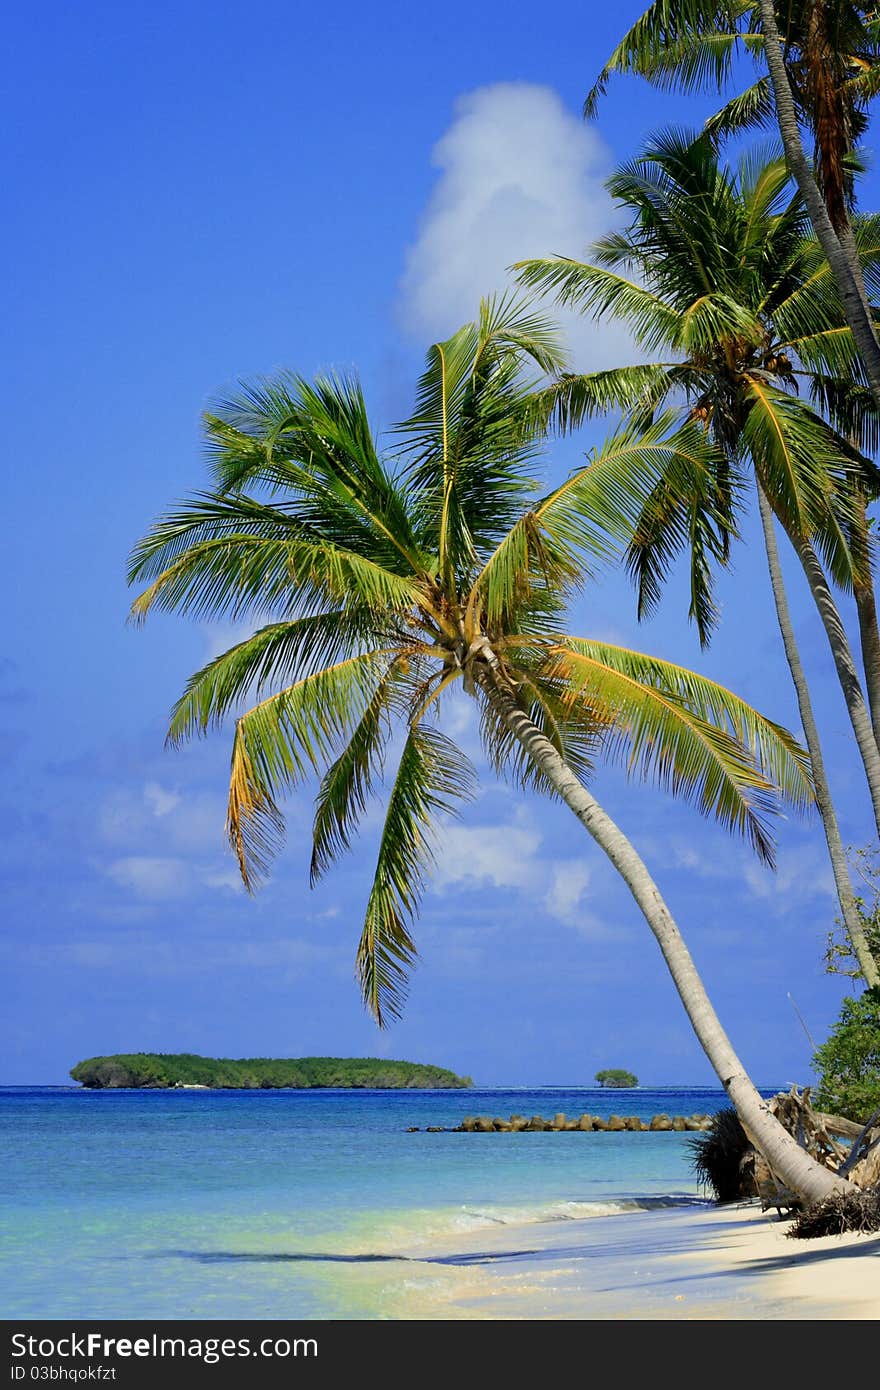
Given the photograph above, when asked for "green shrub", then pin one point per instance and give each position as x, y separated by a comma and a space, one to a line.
717, 1154
848, 1064
616, 1078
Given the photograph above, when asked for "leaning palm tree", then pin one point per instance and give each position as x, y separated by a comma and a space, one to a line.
822, 64
388, 581
717, 275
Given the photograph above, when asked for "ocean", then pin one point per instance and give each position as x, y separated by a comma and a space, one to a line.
296, 1204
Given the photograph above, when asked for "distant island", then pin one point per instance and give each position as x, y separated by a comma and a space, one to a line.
162, 1070
616, 1079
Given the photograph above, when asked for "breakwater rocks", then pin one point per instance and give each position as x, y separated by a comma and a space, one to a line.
561, 1124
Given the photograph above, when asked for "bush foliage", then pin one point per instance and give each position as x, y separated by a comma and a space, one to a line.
848, 1064
616, 1078
161, 1069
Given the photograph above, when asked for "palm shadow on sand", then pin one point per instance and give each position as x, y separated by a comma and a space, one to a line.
322, 1257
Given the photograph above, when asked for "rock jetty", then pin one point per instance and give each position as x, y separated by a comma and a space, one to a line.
562, 1124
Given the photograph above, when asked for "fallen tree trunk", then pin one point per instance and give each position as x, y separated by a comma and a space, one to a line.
730, 1161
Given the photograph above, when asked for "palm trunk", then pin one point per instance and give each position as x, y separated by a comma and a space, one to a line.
869, 634
866, 607
845, 666
838, 252
836, 853
792, 1165
841, 252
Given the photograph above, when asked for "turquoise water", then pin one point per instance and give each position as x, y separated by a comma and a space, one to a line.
277, 1204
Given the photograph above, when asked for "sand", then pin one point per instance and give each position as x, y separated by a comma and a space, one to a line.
688, 1262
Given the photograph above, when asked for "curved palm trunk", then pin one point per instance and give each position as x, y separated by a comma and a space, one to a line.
836, 852
791, 1163
845, 666
869, 634
840, 253
866, 607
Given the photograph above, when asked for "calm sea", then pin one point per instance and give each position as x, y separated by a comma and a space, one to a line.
275, 1204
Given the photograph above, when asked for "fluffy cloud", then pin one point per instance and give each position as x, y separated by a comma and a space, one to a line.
567, 887
509, 856
520, 176
161, 801
167, 845
801, 876
153, 877
502, 856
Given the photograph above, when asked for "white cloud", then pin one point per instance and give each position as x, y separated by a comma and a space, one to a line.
503, 856
229, 879
509, 856
152, 877
800, 875
567, 886
159, 799
163, 821
520, 176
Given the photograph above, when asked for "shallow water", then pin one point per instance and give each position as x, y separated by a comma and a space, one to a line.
274, 1204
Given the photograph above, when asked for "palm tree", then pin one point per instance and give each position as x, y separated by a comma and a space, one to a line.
830, 71
823, 72
389, 580
717, 274
831, 52
829, 106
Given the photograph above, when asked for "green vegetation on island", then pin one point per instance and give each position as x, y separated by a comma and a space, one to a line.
615, 1078
158, 1070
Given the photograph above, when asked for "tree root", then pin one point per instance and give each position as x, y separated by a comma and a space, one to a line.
836, 1215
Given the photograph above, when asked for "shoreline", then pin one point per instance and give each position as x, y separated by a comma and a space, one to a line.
686, 1262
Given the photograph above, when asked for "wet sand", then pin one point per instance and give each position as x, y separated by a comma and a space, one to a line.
690, 1263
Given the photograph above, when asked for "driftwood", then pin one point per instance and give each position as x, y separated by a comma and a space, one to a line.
819, 1134
836, 1124
863, 1164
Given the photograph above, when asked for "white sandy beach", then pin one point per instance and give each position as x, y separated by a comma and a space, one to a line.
689, 1262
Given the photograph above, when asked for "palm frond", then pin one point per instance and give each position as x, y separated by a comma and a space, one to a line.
687, 510
278, 654
578, 285
233, 557
470, 444
510, 322
433, 778
803, 469
694, 737
697, 35
348, 783
279, 741
575, 397
314, 439
747, 110
591, 516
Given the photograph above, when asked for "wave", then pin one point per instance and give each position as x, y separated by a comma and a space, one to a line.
476, 1218
396, 1230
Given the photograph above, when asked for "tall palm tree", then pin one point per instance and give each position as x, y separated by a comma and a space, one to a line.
831, 52
389, 580
823, 61
717, 275
828, 52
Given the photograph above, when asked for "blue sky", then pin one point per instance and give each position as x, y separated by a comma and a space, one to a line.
198, 193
